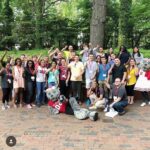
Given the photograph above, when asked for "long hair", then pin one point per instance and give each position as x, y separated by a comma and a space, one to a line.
123, 49
17, 60
33, 67
138, 52
128, 67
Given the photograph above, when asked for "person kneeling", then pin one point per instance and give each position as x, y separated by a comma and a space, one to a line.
96, 96
120, 100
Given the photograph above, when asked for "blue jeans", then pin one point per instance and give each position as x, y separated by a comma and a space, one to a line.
40, 94
119, 106
30, 90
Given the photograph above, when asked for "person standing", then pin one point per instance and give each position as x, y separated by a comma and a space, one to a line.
41, 72
143, 85
18, 83
64, 77
6, 84
77, 69
103, 69
85, 53
123, 55
132, 73
137, 55
118, 71
53, 75
101, 53
110, 51
30, 83
91, 69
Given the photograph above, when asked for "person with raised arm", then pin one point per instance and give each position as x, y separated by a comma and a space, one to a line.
6, 84
118, 71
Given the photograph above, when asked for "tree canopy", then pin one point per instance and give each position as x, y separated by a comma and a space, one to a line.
43, 23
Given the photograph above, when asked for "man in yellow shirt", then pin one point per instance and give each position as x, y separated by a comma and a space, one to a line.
77, 69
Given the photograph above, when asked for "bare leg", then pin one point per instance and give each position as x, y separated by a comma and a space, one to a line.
16, 90
21, 97
131, 99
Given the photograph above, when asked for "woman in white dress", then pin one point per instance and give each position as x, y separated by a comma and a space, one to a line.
143, 84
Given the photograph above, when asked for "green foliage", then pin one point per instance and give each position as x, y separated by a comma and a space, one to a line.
111, 25
6, 21
43, 23
125, 25
141, 19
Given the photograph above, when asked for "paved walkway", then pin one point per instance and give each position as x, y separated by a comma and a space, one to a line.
36, 130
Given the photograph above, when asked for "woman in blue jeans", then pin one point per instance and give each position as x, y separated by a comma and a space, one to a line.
30, 82
41, 72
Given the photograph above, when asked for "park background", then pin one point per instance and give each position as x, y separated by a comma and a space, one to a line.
37, 25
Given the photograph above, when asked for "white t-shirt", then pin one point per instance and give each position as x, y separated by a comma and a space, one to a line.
41, 74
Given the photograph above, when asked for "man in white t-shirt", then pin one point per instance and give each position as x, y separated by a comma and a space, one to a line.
91, 69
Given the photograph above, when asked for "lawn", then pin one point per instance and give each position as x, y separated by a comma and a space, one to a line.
15, 53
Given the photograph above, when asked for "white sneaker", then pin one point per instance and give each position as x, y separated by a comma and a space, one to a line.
3, 107
29, 106
143, 104
7, 106
106, 109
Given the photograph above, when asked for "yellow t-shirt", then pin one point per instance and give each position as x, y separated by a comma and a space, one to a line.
131, 76
77, 69
66, 54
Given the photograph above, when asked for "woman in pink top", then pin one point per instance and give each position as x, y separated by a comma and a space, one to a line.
18, 84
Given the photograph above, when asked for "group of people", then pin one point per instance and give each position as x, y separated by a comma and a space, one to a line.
109, 79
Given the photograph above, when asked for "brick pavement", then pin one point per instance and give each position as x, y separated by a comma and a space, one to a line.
36, 130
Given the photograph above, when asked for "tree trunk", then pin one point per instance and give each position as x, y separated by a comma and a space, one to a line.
138, 38
39, 20
97, 22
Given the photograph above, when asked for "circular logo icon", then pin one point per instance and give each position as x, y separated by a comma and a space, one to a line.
11, 141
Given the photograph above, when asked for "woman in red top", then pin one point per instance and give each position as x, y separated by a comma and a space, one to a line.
64, 77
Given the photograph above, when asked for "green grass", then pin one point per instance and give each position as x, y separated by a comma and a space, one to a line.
16, 54
37, 52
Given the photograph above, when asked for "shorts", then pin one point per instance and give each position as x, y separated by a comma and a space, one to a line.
88, 83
